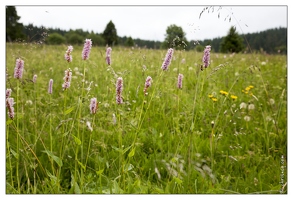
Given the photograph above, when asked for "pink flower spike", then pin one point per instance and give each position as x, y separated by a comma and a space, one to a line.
93, 105
206, 56
9, 105
86, 49
179, 82
108, 51
67, 79
50, 88
8, 93
18, 70
119, 88
147, 84
108, 55
168, 59
68, 56
35, 78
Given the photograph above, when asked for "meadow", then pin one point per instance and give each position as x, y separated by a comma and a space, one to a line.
223, 132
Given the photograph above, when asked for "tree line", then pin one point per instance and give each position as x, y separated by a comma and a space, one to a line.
270, 41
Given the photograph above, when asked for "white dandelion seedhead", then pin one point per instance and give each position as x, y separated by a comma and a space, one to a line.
243, 105
246, 118
251, 107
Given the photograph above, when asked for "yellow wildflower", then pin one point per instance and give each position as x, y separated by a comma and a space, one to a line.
234, 97
223, 92
247, 88
214, 99
251, 86
211, 96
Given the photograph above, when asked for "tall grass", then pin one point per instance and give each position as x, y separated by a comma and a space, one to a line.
190, 140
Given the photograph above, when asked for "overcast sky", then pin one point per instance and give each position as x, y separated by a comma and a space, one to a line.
151, 22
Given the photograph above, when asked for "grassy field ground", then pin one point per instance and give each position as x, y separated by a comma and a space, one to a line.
225, 131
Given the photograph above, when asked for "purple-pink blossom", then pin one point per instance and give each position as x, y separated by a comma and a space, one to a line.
147, 84
179, 82
68, 56
93, 105
50, 87
86, 49
18, 70
8, 93
119, 88
35, 78
108, 55
168, 59
206, 56
67, 79
9, 105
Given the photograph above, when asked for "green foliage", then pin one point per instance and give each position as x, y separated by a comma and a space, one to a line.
174, 38
13, 27
74, 38
160, 143
129, 42
110, 34
55, 38
232, 43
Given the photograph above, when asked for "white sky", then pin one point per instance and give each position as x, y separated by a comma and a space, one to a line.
151, 22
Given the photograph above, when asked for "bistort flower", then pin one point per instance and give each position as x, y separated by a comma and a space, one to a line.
86, 49
18, 70
35, 78
147, 84
168, 59
206, 56
119, 88
9, 105
179, 81
50, 87
108, 55
8, 93
93, 105
68, 56
67, 79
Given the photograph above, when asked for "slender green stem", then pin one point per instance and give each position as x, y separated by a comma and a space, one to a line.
9, 157
212, 147
36, 136
63, 126
80, 102
88, 149
51, 137
17, 138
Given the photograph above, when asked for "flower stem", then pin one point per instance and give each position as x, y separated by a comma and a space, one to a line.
17, 138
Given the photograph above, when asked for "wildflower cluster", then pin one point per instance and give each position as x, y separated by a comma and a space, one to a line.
247, 90
68, 56
224, 92
214, 99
